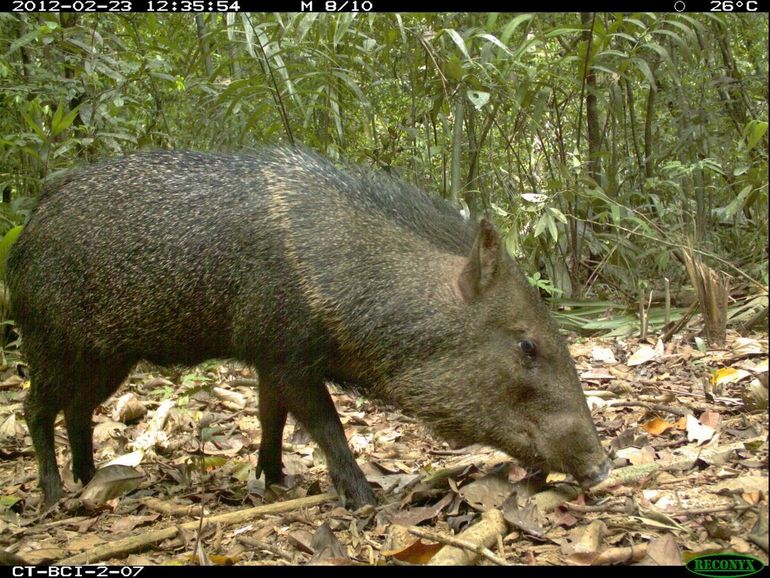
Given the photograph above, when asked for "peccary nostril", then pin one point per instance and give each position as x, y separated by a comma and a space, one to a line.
596, 475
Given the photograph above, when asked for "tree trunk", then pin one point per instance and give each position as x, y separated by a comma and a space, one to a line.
592, 109
203, 41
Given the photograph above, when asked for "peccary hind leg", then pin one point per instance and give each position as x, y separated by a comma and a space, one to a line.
40, 413
312, 406
272, 418
94, 385
77, 390
77, 418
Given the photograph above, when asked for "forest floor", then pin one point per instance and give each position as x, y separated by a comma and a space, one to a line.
687, 430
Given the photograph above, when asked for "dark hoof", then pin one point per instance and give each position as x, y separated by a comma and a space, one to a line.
358, 497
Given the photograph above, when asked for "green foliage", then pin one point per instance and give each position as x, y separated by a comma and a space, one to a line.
5, 245
678, 105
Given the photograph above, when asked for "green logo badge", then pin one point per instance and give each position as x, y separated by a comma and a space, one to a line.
724, 565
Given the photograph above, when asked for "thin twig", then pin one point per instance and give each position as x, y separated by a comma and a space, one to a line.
614, 508
653, 406
712, 510
457, 543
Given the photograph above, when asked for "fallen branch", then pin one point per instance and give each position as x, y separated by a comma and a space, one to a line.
137, 543
627, 507
635, 473
469, 545
626, 475
626, 555
652, 406
713, 510
170, 509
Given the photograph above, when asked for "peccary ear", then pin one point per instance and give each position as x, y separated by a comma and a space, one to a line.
483, 262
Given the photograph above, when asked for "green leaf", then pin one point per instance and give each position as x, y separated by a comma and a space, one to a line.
617, 53
511, 27
684, 28
352, 85
64, 121
557, 214
625, 36
454, 68
57, 117
5, 246
638, 23
28, 38
741, 171
7, 502
563, 31
645, 68
552, 228
458, 40
494, 40
34, 126
737, 203
606, 69
756, 130
670, 34
662, 52
693, 21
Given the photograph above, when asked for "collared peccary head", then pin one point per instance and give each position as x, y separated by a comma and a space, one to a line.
509, 381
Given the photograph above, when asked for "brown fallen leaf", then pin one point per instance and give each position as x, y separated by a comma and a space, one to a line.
526, 519
662, 551
482, 536
326, 545
487, 492
108, 483
302, 540
414, 516
85, 542
418, 552
657, 426
584, 539
128, 523
128, 408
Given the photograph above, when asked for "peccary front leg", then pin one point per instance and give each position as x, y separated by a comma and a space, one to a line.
272, 418
312, 406
314, 409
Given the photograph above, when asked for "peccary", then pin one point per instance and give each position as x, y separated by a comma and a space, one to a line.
307, 272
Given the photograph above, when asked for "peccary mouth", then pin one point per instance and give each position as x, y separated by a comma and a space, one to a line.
524, 447
595, 474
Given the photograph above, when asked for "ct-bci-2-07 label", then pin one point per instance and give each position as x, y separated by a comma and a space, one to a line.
76, 571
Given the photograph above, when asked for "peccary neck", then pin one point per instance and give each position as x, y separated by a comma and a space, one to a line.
376, 266
376, 338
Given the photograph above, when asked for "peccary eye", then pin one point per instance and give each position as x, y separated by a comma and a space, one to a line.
528, 347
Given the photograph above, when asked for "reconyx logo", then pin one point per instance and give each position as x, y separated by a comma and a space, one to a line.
724, 565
